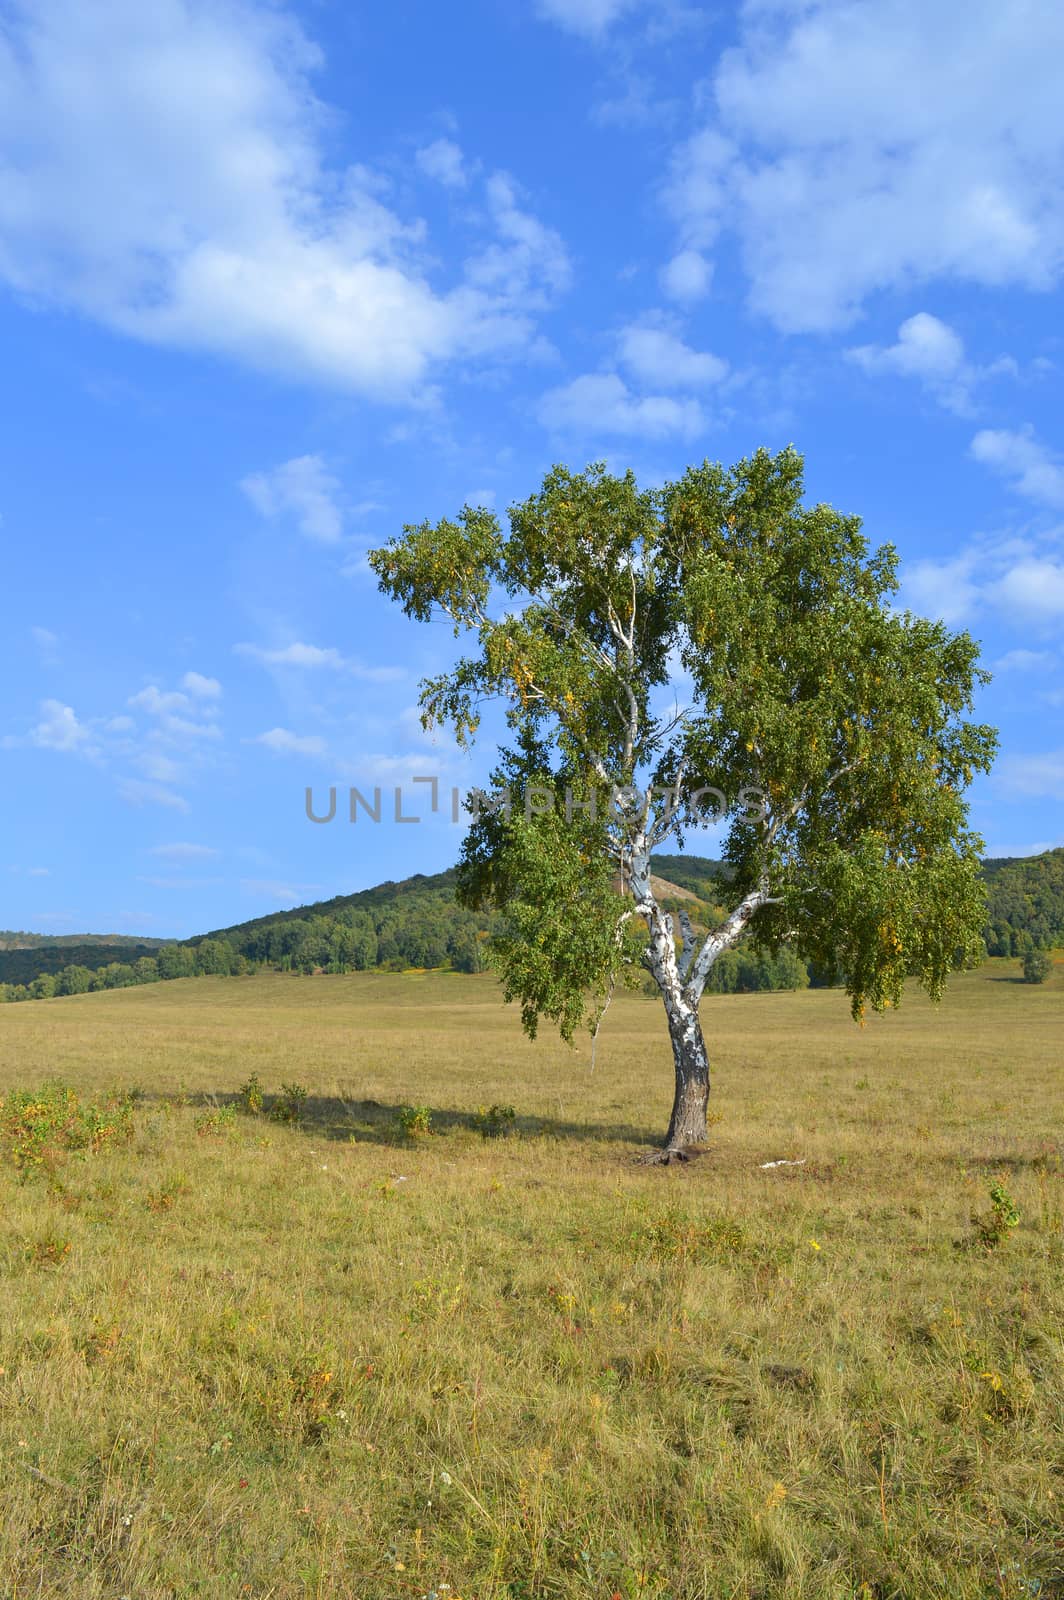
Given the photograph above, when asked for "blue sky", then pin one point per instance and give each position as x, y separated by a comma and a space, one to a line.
276, 279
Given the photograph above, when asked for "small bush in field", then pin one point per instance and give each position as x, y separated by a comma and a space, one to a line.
39, 1126
251, 1096
414, 1122
495, 1122
290, 1103
995, 1225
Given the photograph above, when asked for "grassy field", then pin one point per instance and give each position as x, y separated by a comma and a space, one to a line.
242, 1357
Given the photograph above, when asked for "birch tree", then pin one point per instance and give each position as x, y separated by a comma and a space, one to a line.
712, 646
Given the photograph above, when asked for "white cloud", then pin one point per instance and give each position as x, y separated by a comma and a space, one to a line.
687, 277
945, 590
1034, 775
857, 147
1012, 579
303, 488
1035, 471
137, 793
59, 729
587, 17
183, 851
601, 403
158, 702
312, 655
442, 160
286, 743
1032, 590
932, 352
164, 173
529, 262
194, 683
658, 357
295, 655
1023, 661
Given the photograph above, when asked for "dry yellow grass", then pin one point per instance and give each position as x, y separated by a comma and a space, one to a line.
252, 1359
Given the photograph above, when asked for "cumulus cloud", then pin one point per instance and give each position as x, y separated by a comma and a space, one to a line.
932, 352
1033, 470
194, 683
442, 161
528, 263
158, 702
687, 277
282, 742
1015, 581
602, 403
59, 729
856, 147
302, 488
163, 172
298, 654
658, 357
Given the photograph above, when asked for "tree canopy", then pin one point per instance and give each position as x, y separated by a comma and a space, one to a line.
714, 635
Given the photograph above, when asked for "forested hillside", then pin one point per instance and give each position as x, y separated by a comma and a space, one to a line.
416, 923
1026, 902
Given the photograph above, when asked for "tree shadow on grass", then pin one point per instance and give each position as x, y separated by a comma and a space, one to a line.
351, 1121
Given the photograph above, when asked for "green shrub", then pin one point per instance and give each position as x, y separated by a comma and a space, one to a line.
290, 1103
1037, 965
251, 1095
994, 1226
495, 1123
414, 1122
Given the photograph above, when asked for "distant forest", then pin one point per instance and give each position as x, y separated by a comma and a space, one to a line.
417, 924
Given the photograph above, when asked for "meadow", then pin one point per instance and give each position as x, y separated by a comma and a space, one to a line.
342, 1356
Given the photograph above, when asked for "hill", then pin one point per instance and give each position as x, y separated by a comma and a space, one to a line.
416, 922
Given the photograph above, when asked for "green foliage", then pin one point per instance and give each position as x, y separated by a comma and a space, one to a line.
844, 714
290, 1103
251, 1094
994, 1226
38, 1127
753, 971
494, 1122
414, 1122
1037, 965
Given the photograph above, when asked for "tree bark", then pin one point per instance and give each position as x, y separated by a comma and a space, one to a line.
687, 1125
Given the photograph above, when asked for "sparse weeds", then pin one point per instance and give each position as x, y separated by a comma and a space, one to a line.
215, 1122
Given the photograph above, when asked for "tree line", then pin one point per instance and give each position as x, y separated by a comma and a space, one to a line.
417, 923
